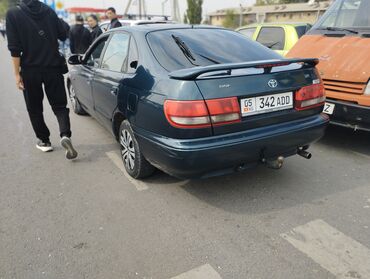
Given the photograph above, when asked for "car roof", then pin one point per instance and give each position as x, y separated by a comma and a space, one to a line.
139, 21
147, 28
281, 24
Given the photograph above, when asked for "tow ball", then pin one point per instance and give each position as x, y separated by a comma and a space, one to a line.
274, 164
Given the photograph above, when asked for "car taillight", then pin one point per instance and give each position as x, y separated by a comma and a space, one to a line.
187, 114
202, 114
310, 96
224, 111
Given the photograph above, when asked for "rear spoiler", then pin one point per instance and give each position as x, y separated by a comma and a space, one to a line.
267, 65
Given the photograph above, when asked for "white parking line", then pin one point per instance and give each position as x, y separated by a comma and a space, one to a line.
116, 159
331, 249
203, 272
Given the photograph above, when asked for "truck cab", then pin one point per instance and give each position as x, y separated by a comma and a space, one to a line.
341, 40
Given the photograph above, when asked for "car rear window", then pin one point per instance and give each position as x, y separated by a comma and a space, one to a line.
249, 32
301, 30
272, 37
206, 46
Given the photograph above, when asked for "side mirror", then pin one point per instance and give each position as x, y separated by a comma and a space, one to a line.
134, 64
75, 59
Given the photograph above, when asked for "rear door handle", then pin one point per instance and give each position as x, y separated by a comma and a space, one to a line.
114, 91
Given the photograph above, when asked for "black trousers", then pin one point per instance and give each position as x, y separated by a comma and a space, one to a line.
53, 83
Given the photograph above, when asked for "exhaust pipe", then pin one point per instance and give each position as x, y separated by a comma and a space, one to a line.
305, 154
275, 164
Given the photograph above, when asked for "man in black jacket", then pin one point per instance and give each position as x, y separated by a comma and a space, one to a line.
79, 37
112, 15
33, 30
92, 20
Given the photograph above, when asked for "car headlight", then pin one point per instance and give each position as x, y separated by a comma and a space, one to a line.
367, 89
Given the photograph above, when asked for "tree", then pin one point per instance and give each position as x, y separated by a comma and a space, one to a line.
194, 11
3, 8
230, 20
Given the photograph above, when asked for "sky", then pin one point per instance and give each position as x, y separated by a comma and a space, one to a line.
155, 6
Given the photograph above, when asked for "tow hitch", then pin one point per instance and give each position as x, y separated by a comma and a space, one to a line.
274, 164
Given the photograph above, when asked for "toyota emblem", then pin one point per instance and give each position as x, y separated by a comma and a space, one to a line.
273, 83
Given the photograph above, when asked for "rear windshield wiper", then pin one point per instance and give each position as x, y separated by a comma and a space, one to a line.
185, 49
208, 58
188, 53
340, 29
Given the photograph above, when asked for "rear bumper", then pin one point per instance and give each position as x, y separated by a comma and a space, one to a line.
218, 155
350, 115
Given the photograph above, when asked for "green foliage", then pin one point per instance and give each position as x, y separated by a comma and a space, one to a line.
194, 11
230, 20
3, 8
274, 2
5, 5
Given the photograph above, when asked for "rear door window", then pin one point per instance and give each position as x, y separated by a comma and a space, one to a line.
116, 53
249, 32
272, 37
94, 57
186, 48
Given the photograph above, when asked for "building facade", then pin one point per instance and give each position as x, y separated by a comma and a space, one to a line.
301, 12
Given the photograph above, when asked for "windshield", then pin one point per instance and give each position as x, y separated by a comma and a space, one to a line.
185, 48
348, 14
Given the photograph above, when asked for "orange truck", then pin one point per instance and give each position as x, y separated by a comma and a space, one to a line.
341, 40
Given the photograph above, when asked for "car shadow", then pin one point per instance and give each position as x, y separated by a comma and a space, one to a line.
343, 138
299, 182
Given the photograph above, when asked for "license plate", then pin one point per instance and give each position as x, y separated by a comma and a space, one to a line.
266, 103
329, 108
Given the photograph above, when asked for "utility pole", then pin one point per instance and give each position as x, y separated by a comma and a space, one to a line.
141, 8
241, 16
176, 11
163, 4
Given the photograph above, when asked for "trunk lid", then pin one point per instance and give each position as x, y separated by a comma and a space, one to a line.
250, 80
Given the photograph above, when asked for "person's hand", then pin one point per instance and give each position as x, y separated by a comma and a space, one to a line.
19, 82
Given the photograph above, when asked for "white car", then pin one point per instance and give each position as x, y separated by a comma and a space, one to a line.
128, 22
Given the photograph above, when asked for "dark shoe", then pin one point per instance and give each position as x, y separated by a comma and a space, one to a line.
71, 153
44, 146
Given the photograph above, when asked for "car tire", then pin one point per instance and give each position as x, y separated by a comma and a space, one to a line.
133, 160
76, 105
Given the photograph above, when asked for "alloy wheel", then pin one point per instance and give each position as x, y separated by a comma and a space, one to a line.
127, 149
72, 97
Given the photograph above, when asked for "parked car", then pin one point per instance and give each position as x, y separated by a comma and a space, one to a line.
341, 39
280, 37
128, 22
192, 102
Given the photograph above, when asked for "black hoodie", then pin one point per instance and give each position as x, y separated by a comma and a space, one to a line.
33, 30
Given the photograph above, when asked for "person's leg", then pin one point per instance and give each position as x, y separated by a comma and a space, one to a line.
34, 95
57, 96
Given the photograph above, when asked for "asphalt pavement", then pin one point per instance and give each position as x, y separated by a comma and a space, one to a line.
87, 219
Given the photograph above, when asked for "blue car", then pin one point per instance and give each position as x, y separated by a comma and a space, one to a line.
197, 101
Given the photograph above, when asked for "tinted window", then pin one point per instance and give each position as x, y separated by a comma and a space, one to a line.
249, 32
116, 52
206, 47
272, 37
301, 30
347, 13
94, 57
133, 57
